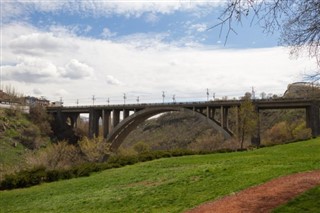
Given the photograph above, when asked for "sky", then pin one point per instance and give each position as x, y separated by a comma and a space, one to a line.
92, 52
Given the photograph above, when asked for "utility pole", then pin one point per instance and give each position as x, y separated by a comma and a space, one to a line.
93, 99
253, 94
108, 101
61, 101
174, 98
124, 98
77, 102
163, 96
214, 96
138, 99
207, 94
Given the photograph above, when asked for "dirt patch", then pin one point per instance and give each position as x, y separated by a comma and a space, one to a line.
265, 197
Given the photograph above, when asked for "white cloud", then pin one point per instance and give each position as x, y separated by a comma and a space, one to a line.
112, 80
76, 70
39, 44
144, 63
106, 33
152, 18
37, 91
128, 8
198, 27
61, 93
31, 70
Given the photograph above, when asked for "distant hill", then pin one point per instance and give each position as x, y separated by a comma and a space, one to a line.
302, 90
173, 130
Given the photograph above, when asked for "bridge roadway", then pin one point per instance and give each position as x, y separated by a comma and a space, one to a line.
214, 112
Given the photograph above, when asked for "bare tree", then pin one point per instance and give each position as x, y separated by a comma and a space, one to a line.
298, 21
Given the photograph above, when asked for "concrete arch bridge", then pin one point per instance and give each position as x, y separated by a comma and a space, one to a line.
119, 120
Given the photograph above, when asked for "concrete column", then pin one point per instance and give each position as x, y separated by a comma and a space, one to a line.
255, 139
225, 112
208, 112
313, 119
74, 117
126, 113
105, 122
212, 113
115, 117
237, 122
222, 116
94, 116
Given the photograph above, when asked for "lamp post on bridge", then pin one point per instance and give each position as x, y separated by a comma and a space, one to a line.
124, 98
207, 94
163, 96
93, 99
138, 99
108, 101
174, 98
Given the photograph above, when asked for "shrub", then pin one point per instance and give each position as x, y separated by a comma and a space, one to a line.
141, 147
94, 150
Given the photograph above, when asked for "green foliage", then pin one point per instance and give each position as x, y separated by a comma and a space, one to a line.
94, 150
166, 185
308, 202
55, 156
41, 118
141, 147
284, 132
248, 120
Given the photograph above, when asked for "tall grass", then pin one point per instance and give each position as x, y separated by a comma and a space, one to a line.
165, 185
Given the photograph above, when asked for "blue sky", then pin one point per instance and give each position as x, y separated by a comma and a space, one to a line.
76, 49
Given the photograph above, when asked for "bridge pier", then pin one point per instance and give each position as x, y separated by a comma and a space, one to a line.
313, 119
256, 139
115, 118
126, 113
106, 122
94, 116
224, 111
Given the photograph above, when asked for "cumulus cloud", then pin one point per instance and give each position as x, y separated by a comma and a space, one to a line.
31, 70
39, 44
147, 63
112, 80
76, 70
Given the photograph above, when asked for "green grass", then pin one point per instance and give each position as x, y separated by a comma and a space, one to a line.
307, 202
165, 185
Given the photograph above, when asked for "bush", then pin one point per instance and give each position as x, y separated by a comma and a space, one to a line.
95, 150
39, 174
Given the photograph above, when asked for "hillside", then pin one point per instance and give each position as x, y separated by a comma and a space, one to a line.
165, 185
174, 130
19, 133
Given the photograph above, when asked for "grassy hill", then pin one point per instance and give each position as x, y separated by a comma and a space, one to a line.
19, 133
165, 185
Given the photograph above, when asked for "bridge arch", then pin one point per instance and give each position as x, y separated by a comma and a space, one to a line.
122, 130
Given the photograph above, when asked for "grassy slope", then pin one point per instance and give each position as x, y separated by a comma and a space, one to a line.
307, 202
165, 185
